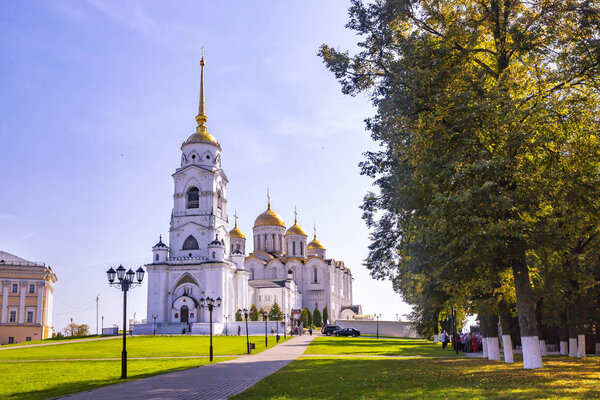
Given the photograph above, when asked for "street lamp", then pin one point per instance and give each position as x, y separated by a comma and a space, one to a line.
226, 317
454, 342
210, 303
154, 317
378, 316
126, 281
277, 328
245, 312
265, 316
284, 327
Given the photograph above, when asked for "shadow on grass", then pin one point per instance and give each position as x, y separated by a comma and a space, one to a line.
398, 347
434, 378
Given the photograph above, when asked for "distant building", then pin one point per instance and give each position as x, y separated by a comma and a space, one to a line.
26, 301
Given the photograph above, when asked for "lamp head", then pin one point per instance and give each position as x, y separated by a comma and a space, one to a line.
130, 275
140, 274
218, 302
111, 275
202, 302
120, 273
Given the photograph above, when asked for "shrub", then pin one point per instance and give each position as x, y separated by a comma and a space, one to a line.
317, 318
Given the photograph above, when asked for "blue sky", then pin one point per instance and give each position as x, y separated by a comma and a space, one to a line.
97, 97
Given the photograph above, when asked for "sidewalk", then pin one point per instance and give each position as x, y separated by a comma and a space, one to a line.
214, 381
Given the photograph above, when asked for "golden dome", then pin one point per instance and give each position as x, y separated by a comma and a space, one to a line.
236, 233
202, 137
295, 230
269, 218
315, 245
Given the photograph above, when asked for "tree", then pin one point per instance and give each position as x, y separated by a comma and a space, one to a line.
310, 317
238, 316
479, 107
304, 317
317, 318
74, 329
261, 314
275, 313
253, 313
325, 316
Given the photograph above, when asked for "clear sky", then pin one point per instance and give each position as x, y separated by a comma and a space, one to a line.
97, 97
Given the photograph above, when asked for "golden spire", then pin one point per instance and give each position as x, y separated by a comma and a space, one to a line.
268, 200
295, 216
201, 117
315, 230
236, 217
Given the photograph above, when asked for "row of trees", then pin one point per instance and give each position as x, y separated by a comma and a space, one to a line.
306, 317
488, 171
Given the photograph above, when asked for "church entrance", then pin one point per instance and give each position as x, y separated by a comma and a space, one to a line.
185, 312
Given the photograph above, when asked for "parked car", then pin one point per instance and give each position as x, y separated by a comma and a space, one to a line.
346, 332
329, 329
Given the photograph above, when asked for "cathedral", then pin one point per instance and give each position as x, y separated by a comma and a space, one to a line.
204, 259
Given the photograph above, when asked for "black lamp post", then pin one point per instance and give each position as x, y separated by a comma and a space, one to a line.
154, 317
226, 317
454, 342
377, 315
245, 312
210, 303
265, 317
126, 281
284, 330
277, 328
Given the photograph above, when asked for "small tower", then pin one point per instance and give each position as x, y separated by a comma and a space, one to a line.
238, 244
216, 250
315, 248
160, 252
295, 239
269, 230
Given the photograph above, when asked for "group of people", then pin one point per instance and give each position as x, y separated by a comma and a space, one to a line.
466, 342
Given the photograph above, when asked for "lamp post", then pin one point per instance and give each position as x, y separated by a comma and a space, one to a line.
265, 317
245, 312
284, 327
454, 342
277, 328
377, 315
210, 303
226, 317
126, 281
154, 317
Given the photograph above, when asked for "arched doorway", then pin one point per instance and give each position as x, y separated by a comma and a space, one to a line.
185, 312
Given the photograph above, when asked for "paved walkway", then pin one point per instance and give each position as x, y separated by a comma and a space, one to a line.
209, 382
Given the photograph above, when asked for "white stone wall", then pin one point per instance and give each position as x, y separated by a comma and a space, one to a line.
386, 328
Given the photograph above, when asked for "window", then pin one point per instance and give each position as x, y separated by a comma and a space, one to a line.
193, 197
31, 288
11, 339
15, 287
237, 248
293, 248
28, 339
190, 243
29, 316
273, 238
12, 316
265, 241
315, 275
301, 249
252, 273
156, 258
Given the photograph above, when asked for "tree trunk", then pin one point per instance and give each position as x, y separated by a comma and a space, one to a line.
492, 340
564, 333
506, 339
572, 328
526, 312
436, 326
597, 336
580, 318
484, 332
538, 314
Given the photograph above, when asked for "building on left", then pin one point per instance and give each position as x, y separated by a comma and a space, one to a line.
26, 299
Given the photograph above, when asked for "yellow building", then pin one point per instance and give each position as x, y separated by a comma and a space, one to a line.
26, 290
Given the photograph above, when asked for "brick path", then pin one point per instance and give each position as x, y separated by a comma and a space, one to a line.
208, 382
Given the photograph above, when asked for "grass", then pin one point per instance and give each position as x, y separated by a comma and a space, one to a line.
53, 340
43, 380
437, 375
139, 346
400, 347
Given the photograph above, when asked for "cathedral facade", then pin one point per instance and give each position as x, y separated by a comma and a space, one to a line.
204, 259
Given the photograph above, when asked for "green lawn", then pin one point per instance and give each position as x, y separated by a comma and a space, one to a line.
43, 380
368, 346
51, 340
139, 346
433, 374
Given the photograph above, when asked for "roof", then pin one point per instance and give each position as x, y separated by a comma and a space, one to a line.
295, 230
267, 283
11, 259
356, 308
269, 218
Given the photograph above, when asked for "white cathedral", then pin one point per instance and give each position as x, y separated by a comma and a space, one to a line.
204, 259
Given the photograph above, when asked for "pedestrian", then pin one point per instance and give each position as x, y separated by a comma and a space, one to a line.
272, 331
444, 339
310, 330
239, 330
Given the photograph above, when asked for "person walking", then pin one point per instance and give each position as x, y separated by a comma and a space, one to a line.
310, 330
239, 330
444, 339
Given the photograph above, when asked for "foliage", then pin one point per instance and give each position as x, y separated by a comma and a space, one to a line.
74, 329
317, 318
261, 314
325, 316
310, 317
304, 317
253, 313
275, 313
238, 316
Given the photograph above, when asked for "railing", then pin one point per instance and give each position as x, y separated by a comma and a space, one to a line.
22, 263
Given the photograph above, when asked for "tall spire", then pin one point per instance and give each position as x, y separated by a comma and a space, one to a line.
236, 217
295, 216
315, 230
268, 199
201, 117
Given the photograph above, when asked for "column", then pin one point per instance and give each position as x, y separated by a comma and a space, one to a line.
40, 303
5, 285
22, 302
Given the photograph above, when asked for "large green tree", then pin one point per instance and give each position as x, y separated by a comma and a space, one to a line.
479, 106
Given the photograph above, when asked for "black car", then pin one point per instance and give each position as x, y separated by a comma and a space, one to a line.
346, 332
329, 329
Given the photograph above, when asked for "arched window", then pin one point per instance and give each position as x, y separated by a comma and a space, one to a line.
193, 197
190, 243
294, 248
274, 272
237, 248
156, 258
301, 249
214, 255
315, 275
252, 273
